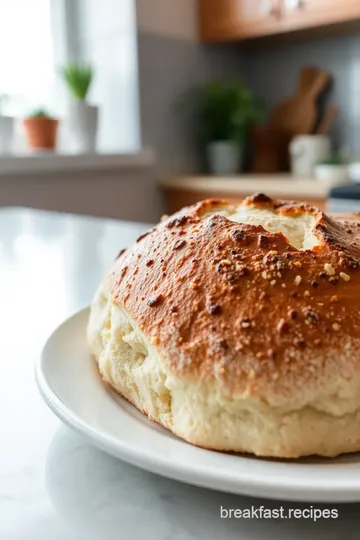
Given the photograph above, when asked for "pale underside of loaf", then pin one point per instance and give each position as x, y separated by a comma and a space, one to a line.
204, 413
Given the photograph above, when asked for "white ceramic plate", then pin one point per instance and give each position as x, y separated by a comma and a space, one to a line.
69, 382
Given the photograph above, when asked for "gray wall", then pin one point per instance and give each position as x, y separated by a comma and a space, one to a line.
272, 71
168, 67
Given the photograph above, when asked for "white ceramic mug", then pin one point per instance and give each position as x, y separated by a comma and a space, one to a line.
306, 151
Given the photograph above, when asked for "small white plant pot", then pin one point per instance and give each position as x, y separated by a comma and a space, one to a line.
83, 124
224, 157
6, 134
332, 175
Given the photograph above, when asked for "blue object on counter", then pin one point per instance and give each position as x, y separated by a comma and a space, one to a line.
344, 199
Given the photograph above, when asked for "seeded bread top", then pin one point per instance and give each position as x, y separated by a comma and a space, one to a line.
262, 313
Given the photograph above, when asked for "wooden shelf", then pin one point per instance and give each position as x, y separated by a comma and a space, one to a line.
183, 191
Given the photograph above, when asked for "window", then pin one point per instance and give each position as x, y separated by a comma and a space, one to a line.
37, 37
27, 66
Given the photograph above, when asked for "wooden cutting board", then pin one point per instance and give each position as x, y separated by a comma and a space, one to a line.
297, 115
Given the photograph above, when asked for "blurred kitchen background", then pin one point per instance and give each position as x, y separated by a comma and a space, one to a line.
132, 109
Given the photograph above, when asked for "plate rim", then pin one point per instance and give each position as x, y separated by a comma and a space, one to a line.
265, 487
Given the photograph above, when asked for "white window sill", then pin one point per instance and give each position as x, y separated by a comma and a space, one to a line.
24, 164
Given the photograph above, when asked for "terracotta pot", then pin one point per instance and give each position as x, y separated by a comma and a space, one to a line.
41, 133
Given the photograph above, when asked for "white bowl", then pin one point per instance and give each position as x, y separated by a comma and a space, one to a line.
333, 175
354, 172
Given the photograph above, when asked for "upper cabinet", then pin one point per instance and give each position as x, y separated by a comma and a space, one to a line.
302, 14
222, 20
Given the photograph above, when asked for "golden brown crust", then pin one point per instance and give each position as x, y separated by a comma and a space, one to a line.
234, 302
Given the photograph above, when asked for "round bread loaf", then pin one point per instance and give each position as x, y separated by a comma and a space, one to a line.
238, 327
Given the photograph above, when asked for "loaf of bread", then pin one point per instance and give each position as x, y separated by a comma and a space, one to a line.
238, 327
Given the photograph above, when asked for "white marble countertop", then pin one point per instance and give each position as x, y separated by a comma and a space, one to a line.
54, 485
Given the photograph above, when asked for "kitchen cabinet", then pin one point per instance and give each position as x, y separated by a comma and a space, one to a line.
224, 20
302, 14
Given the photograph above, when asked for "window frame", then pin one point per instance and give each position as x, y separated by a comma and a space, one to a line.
64, 15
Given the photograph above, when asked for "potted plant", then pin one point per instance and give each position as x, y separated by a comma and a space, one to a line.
6, 128
334, 170
83, 118
41, 130
225, 112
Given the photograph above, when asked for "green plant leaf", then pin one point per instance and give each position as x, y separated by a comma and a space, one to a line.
224, 110
39, 113
333, 159
78, 76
